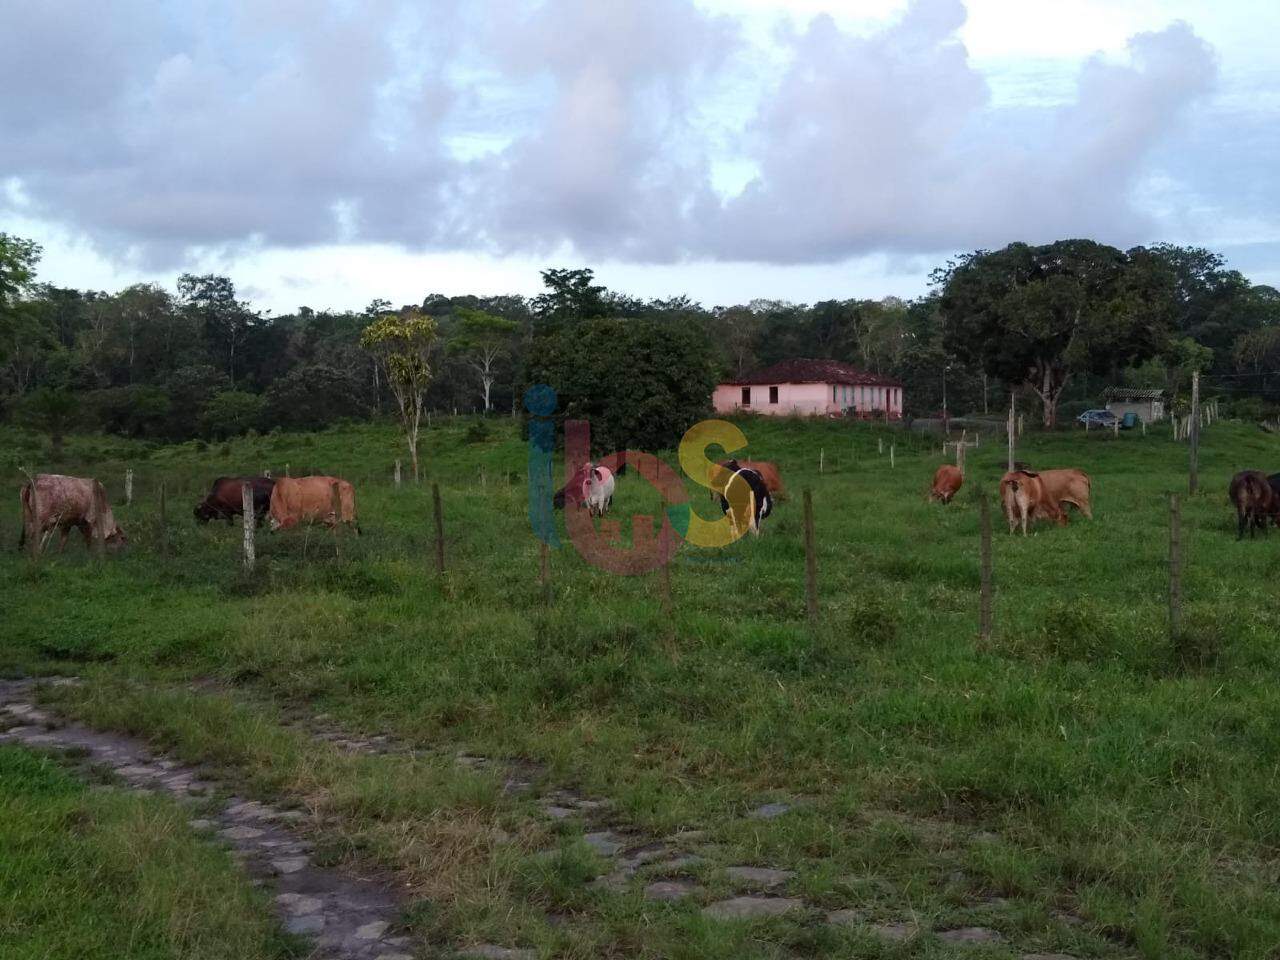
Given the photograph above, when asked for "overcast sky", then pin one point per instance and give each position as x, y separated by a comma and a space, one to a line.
327, 152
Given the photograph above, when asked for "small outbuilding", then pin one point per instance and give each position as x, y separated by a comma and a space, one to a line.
813, 388
1148, 405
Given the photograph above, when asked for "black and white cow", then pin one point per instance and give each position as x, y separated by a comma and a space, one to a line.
745, 482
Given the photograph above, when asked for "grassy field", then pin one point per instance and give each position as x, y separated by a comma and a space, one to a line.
104, 874
1079, 783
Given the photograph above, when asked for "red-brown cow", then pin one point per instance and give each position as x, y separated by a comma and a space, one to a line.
66, 502
296, 500
226, 500
1023, 495
947, 481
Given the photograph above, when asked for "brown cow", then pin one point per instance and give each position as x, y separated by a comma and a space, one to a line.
1068, 486
947, 481
1024, 498
226, 500
1251, 493
296, 500
767, 470
67, 502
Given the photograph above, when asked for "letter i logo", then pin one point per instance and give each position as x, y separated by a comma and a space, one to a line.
540, 401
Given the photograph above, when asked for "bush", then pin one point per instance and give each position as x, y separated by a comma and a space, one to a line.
478, 432
312, 397
230, 413
133, 411
640, 383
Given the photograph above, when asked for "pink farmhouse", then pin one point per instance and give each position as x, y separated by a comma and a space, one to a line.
813, 388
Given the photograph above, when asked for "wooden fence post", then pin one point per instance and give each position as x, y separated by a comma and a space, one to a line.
439, 512
544, 571
960, 459
984, 565
1175, 567
34, 531
1193, 477
286, 469
880, 444
1013, 399
810, 562
891, 449
99, 520
164, 524
249, 522
822, 456
128, 487
664, 585
397, 473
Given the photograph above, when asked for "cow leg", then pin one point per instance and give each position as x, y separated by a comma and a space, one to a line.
1240, 522
1025, 514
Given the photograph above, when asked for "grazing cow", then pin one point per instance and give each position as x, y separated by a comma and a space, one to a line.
947, 481
1068, 486
1252, 495
225, 501
744, 486
1023, 496
67, 502
591, 486
768, 472
597, 491
296, 500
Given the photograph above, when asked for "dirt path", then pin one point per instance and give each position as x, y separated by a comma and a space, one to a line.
348, 917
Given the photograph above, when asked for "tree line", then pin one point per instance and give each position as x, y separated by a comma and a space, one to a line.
1056, 321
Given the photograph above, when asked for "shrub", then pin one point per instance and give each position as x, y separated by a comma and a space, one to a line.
478, 432
640, 383
230, 413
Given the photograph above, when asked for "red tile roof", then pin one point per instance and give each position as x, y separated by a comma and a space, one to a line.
815, 371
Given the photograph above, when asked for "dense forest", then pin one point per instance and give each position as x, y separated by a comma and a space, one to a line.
1057, 322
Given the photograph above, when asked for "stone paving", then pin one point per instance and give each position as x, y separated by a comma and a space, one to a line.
353, 918
347, 917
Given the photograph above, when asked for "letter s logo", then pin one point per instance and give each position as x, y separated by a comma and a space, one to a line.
707, 473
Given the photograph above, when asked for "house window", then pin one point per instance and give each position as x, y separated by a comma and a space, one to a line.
773, 394
834, 388
746, 396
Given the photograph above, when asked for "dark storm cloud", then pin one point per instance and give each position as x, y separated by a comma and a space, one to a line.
296, 123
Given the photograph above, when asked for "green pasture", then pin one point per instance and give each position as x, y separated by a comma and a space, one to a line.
1081, 782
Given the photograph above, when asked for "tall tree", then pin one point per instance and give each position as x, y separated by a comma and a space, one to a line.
18, 259
1040, 314
226, 321
403, 342
483, 340
571, 296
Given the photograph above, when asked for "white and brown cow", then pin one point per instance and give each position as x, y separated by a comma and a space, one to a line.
591, 486
744, 495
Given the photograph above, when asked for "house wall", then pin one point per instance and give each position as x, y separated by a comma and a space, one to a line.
1149, 411
808, 399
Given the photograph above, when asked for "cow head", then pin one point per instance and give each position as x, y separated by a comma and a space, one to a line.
203, 512
116, 538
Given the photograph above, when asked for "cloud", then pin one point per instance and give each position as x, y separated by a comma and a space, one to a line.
606, 126
889, 142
